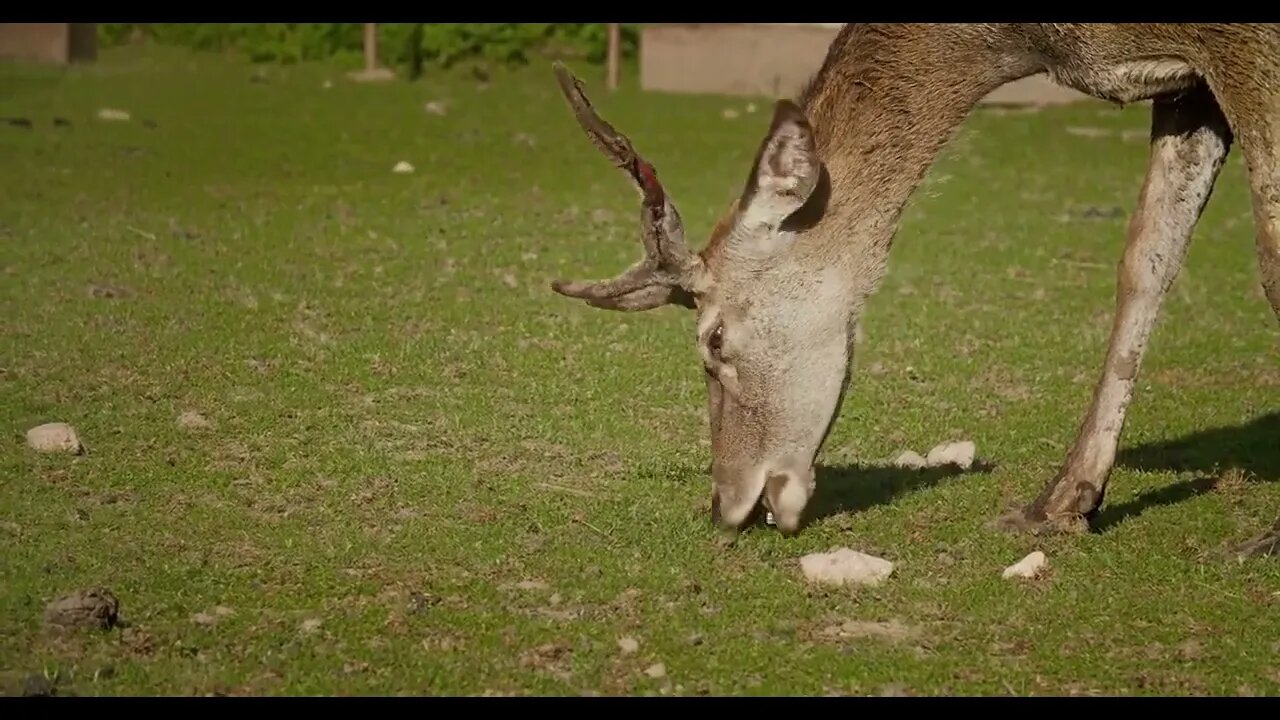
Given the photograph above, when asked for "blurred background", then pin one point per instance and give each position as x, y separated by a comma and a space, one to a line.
714, 58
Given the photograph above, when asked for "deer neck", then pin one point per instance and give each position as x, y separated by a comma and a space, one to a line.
886, 102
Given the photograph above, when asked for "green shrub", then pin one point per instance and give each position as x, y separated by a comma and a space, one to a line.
399, 44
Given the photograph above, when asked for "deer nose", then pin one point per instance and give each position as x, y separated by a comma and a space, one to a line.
726, 532
786, 493
735, 494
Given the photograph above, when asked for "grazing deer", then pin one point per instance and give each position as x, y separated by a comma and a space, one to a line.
780, 286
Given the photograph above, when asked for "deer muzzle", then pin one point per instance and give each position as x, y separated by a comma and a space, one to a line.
740, 492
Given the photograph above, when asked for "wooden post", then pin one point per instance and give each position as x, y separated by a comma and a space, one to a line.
615, 51
371, 72
370, 47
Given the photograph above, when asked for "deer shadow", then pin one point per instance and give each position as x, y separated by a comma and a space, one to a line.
853, 488
1252, 447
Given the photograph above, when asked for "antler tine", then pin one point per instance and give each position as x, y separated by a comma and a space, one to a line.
615, 145
665, 262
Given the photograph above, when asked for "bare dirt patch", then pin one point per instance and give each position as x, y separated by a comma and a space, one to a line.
552, 658
891, 631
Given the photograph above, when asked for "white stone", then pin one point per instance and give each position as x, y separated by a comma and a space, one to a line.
402, 167
656, 671
113, 114
435, 107
910, 460
956, 453
845, 566
54, 437
1027, 567
628, 645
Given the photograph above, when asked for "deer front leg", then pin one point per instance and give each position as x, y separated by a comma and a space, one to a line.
1189, 142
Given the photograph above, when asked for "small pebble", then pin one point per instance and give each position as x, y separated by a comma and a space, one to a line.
628, 645
656, 671
730, 114
435, 107
113, 114
402, 167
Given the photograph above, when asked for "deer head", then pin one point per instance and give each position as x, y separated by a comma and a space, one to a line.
775, 315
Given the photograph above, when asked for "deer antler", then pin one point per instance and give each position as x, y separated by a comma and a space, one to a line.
665, 273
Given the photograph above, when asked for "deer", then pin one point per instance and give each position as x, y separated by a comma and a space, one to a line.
779, 288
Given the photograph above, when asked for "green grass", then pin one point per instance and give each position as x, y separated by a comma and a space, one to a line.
478, 486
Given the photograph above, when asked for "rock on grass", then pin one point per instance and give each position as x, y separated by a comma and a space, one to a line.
97, 608
960, 454
113, 115
909, 460
55, 437
952, 453
845, 567
1028, 567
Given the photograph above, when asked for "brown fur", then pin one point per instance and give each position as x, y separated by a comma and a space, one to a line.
789, 266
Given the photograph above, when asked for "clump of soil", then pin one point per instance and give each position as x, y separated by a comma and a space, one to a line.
97, 609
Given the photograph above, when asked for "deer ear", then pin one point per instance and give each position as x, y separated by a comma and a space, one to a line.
786, 169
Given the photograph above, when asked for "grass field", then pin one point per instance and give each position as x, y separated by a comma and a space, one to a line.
424, 472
